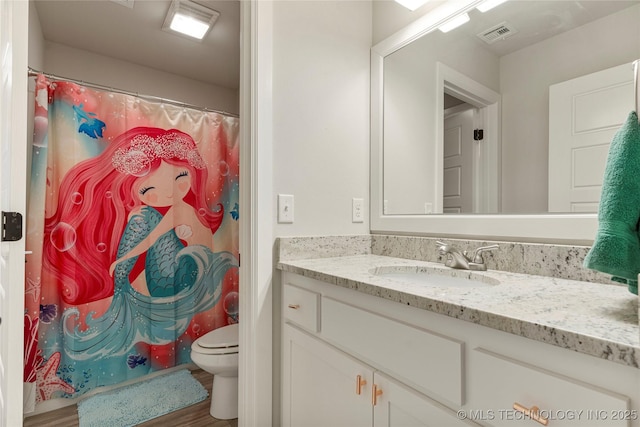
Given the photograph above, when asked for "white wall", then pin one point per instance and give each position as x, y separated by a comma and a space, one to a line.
410, 99
36, 41
321, 113
602, 44
87, 66
318, 126
35, 59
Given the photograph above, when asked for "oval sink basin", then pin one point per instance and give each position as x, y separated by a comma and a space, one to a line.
436, 277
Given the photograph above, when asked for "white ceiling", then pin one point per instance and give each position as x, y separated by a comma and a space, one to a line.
535, 21
135, 35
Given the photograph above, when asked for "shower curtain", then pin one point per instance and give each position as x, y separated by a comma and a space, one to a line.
133, 227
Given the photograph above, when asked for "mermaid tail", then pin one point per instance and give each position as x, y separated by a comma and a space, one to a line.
189, 278
165, 273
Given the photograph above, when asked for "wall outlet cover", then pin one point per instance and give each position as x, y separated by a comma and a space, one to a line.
357, 210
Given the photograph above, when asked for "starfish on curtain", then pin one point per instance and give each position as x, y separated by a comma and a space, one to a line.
32, 288
48, 380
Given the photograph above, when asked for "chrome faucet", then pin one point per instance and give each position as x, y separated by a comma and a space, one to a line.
454, 258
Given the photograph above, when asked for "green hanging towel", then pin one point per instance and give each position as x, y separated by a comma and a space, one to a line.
616, 248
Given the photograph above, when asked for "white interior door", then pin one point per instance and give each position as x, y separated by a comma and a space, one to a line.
458, 161
13, 149
584, 115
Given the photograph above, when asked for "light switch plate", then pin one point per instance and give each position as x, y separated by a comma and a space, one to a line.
285, 208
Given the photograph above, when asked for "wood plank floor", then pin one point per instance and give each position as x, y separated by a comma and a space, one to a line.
192, 416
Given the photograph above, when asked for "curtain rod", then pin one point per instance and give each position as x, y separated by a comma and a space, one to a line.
33, 73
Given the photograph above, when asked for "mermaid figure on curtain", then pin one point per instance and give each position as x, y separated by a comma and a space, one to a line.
133, 224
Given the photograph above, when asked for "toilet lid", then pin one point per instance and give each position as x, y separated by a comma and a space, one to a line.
224, 337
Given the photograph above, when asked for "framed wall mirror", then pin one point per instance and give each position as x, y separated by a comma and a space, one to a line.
500, 127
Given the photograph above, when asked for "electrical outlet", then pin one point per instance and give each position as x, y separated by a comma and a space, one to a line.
428, 207
285, 208
357, 210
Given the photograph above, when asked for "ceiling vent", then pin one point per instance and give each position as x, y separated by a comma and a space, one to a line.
497, 33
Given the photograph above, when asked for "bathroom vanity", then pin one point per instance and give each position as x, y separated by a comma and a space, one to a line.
366, 343
376, 331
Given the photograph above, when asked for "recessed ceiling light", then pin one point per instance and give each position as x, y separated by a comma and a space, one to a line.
191, 19
412, 4
454, 23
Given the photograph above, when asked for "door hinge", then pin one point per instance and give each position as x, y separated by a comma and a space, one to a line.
11, 226
478, 134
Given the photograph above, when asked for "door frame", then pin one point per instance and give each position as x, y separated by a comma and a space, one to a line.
256, 230
256, 227
16, 13
486, 175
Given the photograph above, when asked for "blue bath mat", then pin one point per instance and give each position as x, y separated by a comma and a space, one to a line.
140, 402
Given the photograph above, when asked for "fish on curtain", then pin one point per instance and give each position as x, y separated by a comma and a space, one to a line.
133, 223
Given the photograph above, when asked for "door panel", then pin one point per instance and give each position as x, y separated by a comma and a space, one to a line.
458, 161
584, 115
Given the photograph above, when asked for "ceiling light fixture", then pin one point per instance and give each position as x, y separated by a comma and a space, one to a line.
411, 4
489, 4
191, 19
454, 23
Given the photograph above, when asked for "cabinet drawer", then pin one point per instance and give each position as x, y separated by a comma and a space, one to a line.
301, 307
422, 359
497, 382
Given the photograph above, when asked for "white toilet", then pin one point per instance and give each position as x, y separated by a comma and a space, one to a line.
217, 353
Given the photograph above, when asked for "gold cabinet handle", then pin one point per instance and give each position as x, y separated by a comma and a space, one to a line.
533, 413
294, 306
359, 383
375, 393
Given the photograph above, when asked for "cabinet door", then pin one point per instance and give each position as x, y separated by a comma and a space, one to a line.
320, 384
400, 406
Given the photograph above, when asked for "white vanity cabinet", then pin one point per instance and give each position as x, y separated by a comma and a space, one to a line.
353, 359
325, 386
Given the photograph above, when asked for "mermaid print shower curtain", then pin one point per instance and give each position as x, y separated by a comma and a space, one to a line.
133, 227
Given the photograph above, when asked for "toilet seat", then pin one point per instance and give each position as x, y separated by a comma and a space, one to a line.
223, 340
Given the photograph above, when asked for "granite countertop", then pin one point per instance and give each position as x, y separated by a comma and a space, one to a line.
591, 318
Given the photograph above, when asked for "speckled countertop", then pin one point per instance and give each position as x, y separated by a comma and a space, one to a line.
591, 318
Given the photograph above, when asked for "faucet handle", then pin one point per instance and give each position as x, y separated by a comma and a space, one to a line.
446, 248
442, 246
477, 254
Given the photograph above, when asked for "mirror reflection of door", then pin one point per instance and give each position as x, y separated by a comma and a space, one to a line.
584, 114
458, 156
518, 50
